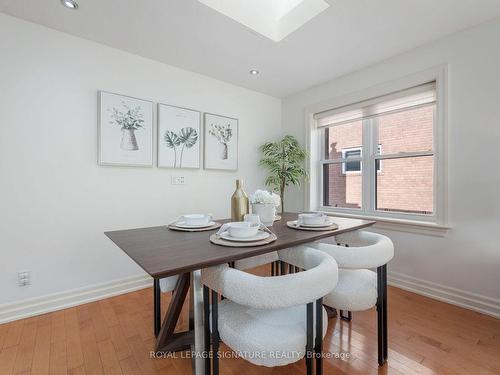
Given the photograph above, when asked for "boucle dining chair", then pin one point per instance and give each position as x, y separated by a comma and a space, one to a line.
358, 287
263, 316
259, 260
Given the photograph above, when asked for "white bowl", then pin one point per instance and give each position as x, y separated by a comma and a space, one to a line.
312, 219
196, 219
243, 229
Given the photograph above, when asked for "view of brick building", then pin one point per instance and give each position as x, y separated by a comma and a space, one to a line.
403, 184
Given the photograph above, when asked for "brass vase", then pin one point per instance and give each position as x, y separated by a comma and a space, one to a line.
239, 203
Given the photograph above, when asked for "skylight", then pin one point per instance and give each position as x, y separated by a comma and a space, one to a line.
274, 19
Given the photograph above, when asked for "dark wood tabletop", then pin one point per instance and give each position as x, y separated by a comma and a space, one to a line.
162, 252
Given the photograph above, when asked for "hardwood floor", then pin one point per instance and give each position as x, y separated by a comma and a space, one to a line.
115, 336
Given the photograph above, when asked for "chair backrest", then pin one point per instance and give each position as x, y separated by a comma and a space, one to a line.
259, 260
359, 249
167, 284
276, 292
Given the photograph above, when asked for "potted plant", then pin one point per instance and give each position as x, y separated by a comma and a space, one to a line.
285, 161
130, 120
264, 204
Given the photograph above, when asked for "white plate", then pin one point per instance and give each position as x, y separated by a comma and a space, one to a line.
261, 235
182, 224
327, 223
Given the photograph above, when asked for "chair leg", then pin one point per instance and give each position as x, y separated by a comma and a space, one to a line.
384, 309
380, 317
277, 268
309, 342
215, 332
347, 318
318, 347
206, 327
282, 268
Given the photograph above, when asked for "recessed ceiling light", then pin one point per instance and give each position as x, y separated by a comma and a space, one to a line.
70, 4
254, 72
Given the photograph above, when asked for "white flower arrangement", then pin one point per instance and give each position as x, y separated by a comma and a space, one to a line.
265, 197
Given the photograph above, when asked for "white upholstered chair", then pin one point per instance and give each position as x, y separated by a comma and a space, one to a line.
358, 287
262, 316
259, 260
167, 284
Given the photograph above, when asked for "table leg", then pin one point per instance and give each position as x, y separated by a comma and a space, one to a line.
167, 340
157, 307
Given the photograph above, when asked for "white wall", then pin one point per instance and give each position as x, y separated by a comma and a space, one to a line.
468, 257
55, 202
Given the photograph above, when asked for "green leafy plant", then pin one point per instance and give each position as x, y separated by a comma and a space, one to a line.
130, 119
187, 138
285, 161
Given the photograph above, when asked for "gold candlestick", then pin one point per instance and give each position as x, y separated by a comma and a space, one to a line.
239, 203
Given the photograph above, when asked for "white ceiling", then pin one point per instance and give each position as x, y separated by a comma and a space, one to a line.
347, 36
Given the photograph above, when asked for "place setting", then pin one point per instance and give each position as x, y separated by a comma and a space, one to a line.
247, 233
194, 223
314, 221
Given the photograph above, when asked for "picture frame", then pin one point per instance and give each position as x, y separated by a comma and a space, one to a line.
179, 137
220, 135
125, 130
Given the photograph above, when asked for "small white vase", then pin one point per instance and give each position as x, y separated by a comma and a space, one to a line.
266, 212
129, 141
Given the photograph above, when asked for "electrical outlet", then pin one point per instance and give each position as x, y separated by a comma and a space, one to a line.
178, 180
23, 278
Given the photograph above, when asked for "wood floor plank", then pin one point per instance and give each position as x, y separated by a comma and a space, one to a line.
41, 355
74, 353
58, 359
13, 335
77, 371
109, 359
114, 336
8, 359
26, 349
129, 366
91, 357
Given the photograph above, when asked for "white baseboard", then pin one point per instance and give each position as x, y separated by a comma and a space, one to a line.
58, 301
74, 297
468, 300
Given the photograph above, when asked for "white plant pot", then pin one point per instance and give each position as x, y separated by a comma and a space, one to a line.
266, 212
129, 141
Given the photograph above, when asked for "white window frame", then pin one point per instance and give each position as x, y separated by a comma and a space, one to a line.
314, 194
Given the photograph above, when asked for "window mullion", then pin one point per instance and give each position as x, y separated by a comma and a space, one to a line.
367, 170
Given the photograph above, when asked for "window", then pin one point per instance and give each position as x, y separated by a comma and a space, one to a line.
355, 166
397, 130
351, 166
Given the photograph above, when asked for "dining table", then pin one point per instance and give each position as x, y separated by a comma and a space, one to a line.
162, 252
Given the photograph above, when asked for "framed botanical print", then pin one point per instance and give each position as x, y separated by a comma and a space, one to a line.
178, 137
125, 130
221, 142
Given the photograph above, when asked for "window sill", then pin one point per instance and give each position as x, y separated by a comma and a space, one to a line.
400, 225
